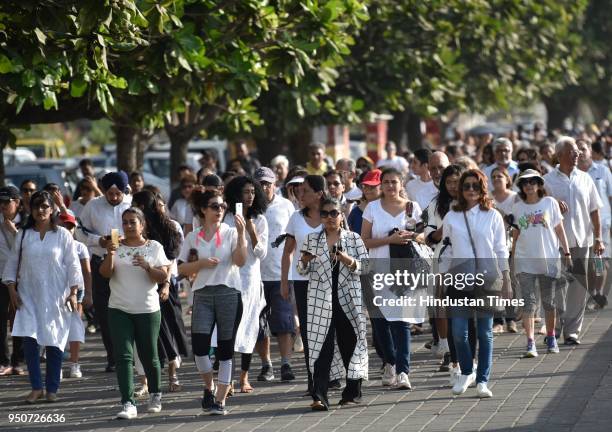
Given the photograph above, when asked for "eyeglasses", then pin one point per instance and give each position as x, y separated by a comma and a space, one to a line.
25, 190
331, 213
471, 186
217, 206
531, 181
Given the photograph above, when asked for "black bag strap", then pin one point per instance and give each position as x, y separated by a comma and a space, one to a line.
19, 259
467, 224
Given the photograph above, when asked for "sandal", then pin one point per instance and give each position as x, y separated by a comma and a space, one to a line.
34, 396
245, 387
144, 391
318, 406
230, 392
174, 386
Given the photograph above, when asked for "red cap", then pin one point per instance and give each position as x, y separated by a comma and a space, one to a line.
68, 218
372, 178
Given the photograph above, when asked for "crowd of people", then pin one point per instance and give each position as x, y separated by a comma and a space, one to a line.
291, 251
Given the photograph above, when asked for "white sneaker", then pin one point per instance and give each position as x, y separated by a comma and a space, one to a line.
155, 404
75, 371
403, 382
483, 391
442, 348
128, 411
455, 373
389, 377
463, 382
61, 374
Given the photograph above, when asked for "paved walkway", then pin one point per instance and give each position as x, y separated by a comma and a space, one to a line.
571, 391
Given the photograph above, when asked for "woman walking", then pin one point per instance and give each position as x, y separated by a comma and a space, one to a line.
45, 267
135, 267
173, 341
476, 232
214, 252
538, 234
385, 223
332, 259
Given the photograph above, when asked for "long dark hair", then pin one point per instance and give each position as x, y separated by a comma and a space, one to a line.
444, 199
484, 202
318, 184
233, 195
159, 226
199, 200
37, 198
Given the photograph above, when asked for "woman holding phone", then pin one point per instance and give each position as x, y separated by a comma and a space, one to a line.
214, 252
135, 267
332, 259
245, 196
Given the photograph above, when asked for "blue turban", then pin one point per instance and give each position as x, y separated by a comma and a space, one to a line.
118, 179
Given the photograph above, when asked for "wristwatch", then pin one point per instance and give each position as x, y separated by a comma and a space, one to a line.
598, 239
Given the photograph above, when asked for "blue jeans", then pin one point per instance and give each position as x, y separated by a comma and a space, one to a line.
54, 365
394, 339
484, 328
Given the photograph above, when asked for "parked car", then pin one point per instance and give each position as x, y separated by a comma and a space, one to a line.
41, 176
17, 156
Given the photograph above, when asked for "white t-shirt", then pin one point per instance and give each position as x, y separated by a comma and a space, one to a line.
383, 222
537, 247
132, 290
226, 272
505, 206
181, 211
299, 229
421, 192
278, 213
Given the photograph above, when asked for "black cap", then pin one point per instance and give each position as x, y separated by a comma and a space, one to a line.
9, 193
212, 180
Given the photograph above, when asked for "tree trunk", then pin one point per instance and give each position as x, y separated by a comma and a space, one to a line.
557, 113
127, 139
141, 147
413, 131
397, 128
179, 142
298, 143
2, 180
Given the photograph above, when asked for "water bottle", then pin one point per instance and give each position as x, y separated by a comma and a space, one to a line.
599, 265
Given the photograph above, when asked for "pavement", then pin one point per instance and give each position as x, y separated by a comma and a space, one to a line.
570, 391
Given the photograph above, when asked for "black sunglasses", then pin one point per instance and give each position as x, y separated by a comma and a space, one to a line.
217, 206
531, 181
473, 186
331, 213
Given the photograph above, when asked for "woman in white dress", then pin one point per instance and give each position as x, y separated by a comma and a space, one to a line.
45, 266
247, 191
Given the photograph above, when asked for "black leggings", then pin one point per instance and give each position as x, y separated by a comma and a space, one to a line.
300, 290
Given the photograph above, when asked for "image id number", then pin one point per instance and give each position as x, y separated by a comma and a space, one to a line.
36, 418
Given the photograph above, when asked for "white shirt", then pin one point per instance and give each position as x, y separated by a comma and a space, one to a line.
226, 272
397, 162
77, 208
98, 218
7, 240
506, 205
49, 267
354, 194
579, 193
537, 247
132, 290
299, 229
383, 222
421, 192
602, 177
181, 211
512, 168
278, 213
488, 233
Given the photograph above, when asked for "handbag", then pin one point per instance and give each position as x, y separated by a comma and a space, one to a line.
493, 283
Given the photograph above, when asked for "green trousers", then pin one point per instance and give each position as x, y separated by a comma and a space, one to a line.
143, 329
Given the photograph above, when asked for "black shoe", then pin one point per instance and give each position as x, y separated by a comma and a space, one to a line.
429, 344
335, 384
571, 341
287, 373
601, 300
345, 402
110, 368
217, 409
445, 366
208, 400
266, 374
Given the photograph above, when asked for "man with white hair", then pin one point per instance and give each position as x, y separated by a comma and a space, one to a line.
438, 161
579, 202
502, 151
347, 168
603, 182
280, 166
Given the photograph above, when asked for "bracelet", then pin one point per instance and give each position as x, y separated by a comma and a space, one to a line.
568, 254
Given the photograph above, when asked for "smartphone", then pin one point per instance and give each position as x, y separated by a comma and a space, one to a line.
115, 237
239, 208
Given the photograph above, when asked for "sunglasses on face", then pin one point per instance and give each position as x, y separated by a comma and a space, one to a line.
531, 181
471, 186
331, 213
41, 207
217, 206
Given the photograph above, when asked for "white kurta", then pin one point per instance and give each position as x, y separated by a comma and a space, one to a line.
49, 267
253, 300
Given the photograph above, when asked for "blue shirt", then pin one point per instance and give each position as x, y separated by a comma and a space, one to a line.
355, 220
